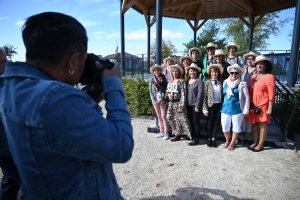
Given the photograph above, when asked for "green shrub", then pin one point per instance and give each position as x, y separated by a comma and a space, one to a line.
137, 96
295, 123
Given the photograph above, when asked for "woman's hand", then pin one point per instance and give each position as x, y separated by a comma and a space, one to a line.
180, 110
196, 110
170, 96
269, 112
154, 102
246, 115
205, 114
159, 101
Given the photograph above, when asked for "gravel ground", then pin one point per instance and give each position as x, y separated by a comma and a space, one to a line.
161, 169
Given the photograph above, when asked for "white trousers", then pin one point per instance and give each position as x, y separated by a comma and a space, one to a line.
236, 122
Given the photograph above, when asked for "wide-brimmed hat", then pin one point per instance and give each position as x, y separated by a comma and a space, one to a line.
156, 66
219, 52
211, 44
250, 54
217, 66
194, 49
235, 67
193, 66
178, 67
232, 44
261, 58
186, 57
169, 58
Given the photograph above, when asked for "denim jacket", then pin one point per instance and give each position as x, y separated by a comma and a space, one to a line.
62, 145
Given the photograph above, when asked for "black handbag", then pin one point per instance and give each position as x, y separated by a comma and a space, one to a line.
253, 108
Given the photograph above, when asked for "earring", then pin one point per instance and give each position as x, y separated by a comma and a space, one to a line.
71, 71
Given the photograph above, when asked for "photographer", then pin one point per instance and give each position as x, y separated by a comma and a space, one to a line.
62, 145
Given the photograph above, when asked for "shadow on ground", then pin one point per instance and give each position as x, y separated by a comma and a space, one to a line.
194, 193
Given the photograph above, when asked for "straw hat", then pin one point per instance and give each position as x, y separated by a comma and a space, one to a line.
193, 66
178, 67
156, 66
232, 44
219, 52
217, 66
194, 49
168, 58
261, 58
186, 57
235, 67
250, 54
211, 44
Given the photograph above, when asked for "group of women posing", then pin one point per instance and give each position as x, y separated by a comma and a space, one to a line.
180, 93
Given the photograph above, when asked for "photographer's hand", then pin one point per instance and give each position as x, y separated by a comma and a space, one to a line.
115, 71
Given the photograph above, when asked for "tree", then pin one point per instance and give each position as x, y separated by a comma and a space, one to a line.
236, 30
10, 50
168, 49
210, 33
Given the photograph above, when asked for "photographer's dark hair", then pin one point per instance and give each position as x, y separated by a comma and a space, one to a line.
269, 66
52, 36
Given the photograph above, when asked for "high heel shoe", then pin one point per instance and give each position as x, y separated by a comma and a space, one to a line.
214, 144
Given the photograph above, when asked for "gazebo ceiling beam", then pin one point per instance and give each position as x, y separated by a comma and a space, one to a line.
242, 5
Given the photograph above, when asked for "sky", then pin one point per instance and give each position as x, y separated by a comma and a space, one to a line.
101, 18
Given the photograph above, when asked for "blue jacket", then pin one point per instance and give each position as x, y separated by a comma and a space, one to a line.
62, 145
4, 148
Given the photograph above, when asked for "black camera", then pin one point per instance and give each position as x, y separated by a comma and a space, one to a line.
92, 75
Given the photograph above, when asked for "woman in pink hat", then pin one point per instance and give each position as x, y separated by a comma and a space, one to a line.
262, 95
157, 89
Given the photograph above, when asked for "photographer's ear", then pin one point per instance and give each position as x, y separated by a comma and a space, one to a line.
73, 62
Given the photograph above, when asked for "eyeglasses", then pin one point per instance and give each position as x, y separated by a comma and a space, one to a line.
236, 73
210, 49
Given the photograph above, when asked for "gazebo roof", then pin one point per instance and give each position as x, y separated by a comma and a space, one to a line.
208, 9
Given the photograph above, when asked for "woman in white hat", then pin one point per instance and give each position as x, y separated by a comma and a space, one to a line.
208, 59
167, 70
250, 70
233, 58
194, 98
212, 102
176, 114
185, 62
195, 53
235, 106
262, 94
220, 60
157, 89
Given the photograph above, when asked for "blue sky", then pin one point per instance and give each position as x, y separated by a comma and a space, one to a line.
101, 18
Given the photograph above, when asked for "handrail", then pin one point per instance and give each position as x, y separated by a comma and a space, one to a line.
284, 101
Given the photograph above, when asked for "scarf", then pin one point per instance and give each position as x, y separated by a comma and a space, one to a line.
231, 86
158, 81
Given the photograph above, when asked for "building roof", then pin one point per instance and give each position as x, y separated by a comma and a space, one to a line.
208, 9
127, 55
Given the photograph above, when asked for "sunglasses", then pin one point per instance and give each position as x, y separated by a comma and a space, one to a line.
236, 73
210, 49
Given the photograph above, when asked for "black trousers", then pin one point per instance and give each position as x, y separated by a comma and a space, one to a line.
194, 118
10, 184
213, 120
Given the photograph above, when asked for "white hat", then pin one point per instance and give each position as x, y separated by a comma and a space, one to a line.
193, 66
219, 52
194, 49
156, 66
178, 67
217, 66
186, 57
232, 44
169, 58
250, 54
211, 44
235, 67
260, 58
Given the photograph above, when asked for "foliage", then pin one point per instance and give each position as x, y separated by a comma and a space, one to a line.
10, 50
278, 69
294, 126
210, 33
236, 30
168, 49
137, 96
